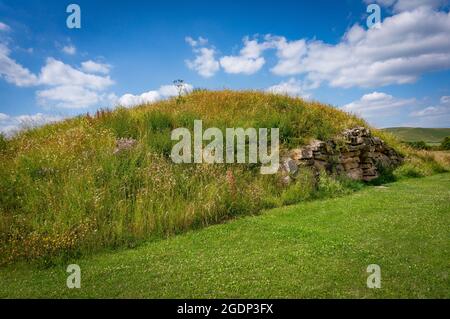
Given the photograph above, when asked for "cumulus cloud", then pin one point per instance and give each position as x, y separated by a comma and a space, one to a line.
12, 71
64, 86
205, 62
412, 42
165, 91
4, 27
383, 110
67, 87
376, 106
69, 49
248, 61
376, 101
196, 42
445, 100
289, 55
438, 113
11, 124
95, 67
72, 88
432, 111
405, 46
292, 87
408, 5
68, 96
129, 100
58, 73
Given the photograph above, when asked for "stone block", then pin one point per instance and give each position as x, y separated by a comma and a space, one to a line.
355, 174
351, 165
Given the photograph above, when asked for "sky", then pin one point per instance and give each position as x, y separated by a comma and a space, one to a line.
394, 73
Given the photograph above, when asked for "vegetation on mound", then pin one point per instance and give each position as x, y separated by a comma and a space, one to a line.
65, 191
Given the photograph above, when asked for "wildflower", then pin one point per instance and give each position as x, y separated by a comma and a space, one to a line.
124, 144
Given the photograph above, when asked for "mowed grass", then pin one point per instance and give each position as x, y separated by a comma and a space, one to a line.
315, 249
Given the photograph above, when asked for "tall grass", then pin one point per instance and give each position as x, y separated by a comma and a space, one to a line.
65, 191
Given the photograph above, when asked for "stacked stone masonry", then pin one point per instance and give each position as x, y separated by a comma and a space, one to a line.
356, 153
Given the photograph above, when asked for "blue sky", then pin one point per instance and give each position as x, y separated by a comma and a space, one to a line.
128, 52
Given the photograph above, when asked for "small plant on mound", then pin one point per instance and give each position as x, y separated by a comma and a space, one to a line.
181, 89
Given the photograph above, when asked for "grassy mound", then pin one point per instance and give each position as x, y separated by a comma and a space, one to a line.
64, 190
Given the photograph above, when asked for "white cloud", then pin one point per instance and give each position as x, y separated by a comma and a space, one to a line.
384, 110
54, 73
408, 5
95, 67
129, 100
289, 55
445, 100
376, 101
12, 124
37, 119
68, 96
4, 27
204, 63
377, 106
57, 73
435, 114
292, 87
248, 61
69, 49
66, 86
432, 111
406, 46
13, 72
172, 90
72, 88
193, 43
190, 41
165, 91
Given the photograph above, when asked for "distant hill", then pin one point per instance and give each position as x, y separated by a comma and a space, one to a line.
414, 134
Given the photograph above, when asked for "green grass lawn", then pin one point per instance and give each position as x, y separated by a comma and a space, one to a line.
315, 249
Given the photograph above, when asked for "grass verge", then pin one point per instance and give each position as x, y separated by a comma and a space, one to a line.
316, 249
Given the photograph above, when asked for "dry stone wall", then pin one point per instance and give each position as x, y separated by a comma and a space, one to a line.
355, 153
